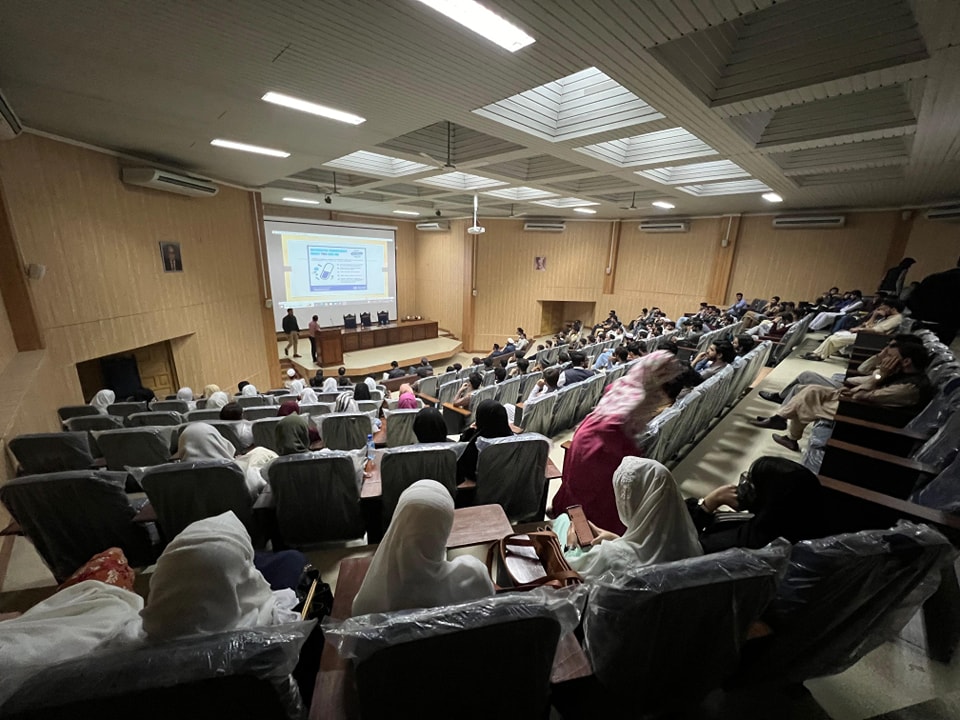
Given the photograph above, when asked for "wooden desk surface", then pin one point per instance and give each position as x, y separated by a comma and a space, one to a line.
478, 525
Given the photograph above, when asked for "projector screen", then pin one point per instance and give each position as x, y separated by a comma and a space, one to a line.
322, 268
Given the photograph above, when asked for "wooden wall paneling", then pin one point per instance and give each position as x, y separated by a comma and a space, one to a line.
440, 276
19, 321
719, 291
802, 264
668, 270
508, 286
105, 291
934, 244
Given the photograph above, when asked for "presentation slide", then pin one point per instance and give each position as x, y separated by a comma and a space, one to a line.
331, 270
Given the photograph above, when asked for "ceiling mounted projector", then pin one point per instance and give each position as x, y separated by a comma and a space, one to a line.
476, 229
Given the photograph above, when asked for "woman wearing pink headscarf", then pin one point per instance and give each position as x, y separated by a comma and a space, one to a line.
609, 434
407, 400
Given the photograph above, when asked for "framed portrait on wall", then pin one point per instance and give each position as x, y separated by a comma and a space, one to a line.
170, 257
540, 262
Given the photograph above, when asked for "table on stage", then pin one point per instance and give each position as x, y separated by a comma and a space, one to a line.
334, 342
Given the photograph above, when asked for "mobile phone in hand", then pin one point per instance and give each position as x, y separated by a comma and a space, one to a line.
581, 527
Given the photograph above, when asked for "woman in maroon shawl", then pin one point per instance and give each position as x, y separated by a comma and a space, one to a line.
609, 434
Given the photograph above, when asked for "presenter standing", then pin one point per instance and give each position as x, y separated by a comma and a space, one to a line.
292, 329
312, 328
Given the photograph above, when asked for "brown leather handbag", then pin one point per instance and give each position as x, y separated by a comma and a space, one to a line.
530, 560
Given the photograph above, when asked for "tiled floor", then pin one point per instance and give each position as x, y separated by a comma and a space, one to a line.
895, 682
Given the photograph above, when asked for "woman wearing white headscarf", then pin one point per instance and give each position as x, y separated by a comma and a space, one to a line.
346, 404
186, 394
370, 383
201, 441
330, 385
659, 528
249, 391
410, 569
205, 582
309, 396
297, 386
217, 401
102, 400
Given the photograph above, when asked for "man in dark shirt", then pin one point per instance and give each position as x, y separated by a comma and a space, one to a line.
292, 329
577, 371
395, 371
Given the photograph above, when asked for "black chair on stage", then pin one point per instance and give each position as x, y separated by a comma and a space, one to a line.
350, 322
383, 317
365, 319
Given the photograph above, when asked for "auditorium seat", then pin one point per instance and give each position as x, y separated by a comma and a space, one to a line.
317, 497
89, 423
51, 452
136, 447
246, 401
258, 413
265, 432
159, 417
636, 623
203, 415
538, 414
228, 429
401, 467
508, 391
400, 427
122, 409
71, 516
184, 492
72, 411
345, 431
178, 406
510, 473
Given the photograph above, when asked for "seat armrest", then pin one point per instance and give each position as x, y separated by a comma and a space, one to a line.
147, 514
453, 408
427, 399
895, 416
876, 436
892, 460
903, 507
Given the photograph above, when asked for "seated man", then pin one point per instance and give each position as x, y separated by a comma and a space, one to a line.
852, 300
886, 320
738, 308
743, 343
509, 347
424, 369
495, 352
546, 384
604, 360
395, 371
462, 398
577, 372
716, 358
898, 381
811, 378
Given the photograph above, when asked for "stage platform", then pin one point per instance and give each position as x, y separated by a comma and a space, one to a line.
374, 360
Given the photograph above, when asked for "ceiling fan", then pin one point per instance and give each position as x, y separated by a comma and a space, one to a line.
633, 204
476, 229
448, 165
327, 194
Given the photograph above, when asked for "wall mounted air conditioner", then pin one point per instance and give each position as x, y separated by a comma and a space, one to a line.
544, 226
433, 226
949, 212
10, 126
664, 226
168, 181
809, 221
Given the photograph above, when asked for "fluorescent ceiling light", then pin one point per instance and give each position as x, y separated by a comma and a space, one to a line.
772, 197
663, 204
303, 201
312, 108
474, 16
249, 148
585, 211
405, 212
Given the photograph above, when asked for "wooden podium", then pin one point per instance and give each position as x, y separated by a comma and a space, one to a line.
330, 346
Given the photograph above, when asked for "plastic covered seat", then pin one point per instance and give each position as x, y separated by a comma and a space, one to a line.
71, 516
662, 636
246, 401
260, 412
345, 431
240, 674
71, 411
508, 640
122, 409
202, 415
526, 386
943, 492
228, 429
265, 432
51, 452
136, 447
160, 417
88, 423
400, 427
178, 406
538, 414
403, 466
593, 389
447, 391
510, 473
565, 410
368, 406
317, 496
843, 596
429, 385
184, 492
509, 390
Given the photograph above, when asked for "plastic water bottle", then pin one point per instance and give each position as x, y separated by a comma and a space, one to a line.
371, 449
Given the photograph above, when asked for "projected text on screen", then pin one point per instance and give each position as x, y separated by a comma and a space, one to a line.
337, 268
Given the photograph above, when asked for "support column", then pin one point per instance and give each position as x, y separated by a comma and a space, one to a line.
14, 289
726, 246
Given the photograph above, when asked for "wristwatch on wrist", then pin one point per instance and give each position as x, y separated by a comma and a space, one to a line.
702, 504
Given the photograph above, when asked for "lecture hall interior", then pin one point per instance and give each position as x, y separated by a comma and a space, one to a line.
423, 178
